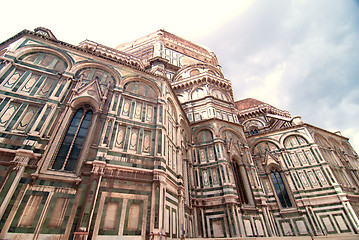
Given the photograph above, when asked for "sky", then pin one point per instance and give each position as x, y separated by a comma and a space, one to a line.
297, 55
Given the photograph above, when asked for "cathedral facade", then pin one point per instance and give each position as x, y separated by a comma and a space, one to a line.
145, 141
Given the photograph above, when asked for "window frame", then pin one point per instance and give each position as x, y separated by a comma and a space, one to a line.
87, 108
286, 188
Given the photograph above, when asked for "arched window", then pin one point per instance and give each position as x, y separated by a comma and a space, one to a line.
280, 189
46, 60
197, 93
71, 145
254, 131
253, 124
193, 72
219, 94
204, 136
241, 180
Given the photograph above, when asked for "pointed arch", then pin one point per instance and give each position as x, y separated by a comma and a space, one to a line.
302, 136
279, 183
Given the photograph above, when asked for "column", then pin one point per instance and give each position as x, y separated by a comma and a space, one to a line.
158, 233
83, 225
181, 215
230, 228
235, 221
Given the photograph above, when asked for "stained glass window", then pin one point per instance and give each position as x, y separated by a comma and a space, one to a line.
280, 189
70, 149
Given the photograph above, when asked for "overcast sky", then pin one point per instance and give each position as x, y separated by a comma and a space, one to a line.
300, 55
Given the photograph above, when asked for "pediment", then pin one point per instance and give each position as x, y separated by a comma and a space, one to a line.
270, 159
92, 90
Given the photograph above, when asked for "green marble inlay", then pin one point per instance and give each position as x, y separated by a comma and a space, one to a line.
7, 185
114, 231
138, 231
15, 228
46, 229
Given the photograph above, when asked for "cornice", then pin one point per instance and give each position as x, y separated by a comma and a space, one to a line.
202, 78
262, 109
126, 59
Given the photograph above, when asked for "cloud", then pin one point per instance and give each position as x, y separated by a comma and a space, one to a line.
301, 56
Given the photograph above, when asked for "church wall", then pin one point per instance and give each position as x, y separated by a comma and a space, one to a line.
128, 179
95, 144
309, 180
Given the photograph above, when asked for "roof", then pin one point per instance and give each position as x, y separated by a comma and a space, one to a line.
86, 46
247, 103
163, 34
154, 44
253, 106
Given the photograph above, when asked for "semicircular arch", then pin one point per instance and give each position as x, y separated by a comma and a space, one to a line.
298, 140
151, 83
222, 130
79, 66
264, 144
205, 135
285, 136
23, 51
246, 122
